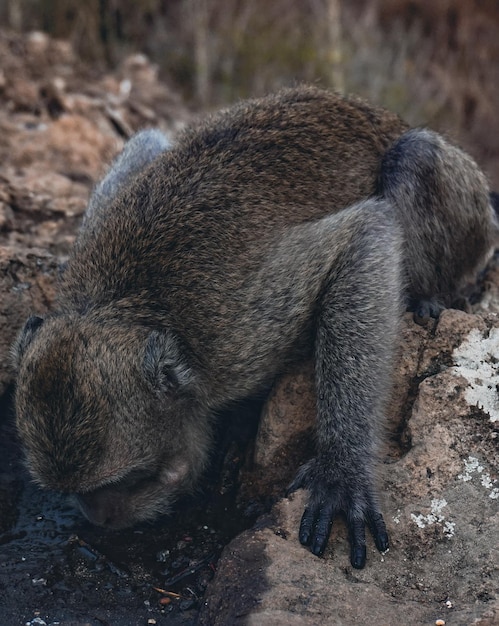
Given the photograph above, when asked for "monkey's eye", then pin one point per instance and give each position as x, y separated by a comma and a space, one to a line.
136, 477
132, 480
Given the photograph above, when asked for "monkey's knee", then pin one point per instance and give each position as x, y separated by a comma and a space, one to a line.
145, 146
139, 152
409, 166
442, 202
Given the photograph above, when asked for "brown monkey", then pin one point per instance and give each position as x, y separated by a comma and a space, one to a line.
270, 233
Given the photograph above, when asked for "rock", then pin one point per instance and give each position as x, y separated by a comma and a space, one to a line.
284, 439
27, 285
439, 492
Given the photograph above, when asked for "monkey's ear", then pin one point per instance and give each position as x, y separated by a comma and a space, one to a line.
164, 366
24, 338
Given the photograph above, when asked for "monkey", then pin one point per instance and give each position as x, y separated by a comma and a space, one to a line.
283, 228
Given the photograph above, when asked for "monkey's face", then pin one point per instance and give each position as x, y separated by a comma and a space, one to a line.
102, 411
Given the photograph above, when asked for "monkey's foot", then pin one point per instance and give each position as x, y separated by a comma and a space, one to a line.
329, 498
425, 309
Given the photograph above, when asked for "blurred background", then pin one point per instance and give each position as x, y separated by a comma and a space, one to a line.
435, 62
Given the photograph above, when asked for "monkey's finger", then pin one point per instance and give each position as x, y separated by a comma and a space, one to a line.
302, 478
357, 536
377, 527
307, 525
294, 486
322, 529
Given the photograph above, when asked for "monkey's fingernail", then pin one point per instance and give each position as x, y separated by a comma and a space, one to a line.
305, 537
358, 557
382, 542
317, 549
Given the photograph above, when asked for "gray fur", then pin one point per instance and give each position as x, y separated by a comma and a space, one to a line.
138, 153
275, 231
443, 186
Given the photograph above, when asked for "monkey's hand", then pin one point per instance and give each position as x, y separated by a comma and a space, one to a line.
331, 494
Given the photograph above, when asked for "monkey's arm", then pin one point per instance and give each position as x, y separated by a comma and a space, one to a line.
353, 353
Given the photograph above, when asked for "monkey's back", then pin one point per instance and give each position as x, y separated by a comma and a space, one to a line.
282, 151
181, 244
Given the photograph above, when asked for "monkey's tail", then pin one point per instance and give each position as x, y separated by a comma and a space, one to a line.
494, 203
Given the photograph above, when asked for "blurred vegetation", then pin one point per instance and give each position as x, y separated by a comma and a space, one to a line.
433, 61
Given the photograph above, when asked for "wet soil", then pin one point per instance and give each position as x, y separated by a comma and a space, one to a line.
56, 568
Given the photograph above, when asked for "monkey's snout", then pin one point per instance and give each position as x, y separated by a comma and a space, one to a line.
101, 508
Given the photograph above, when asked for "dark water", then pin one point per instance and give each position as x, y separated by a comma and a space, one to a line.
56, 568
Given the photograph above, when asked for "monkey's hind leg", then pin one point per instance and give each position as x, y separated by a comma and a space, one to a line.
356, 329
139, 152
424, 308
443, 204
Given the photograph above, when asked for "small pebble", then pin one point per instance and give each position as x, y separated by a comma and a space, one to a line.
162, 556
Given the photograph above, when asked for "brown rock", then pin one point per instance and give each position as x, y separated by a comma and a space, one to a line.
288, 410
284, 439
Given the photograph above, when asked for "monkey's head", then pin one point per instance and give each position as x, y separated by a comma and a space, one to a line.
107, 411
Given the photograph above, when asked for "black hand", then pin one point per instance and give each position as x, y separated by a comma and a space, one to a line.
326, 501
